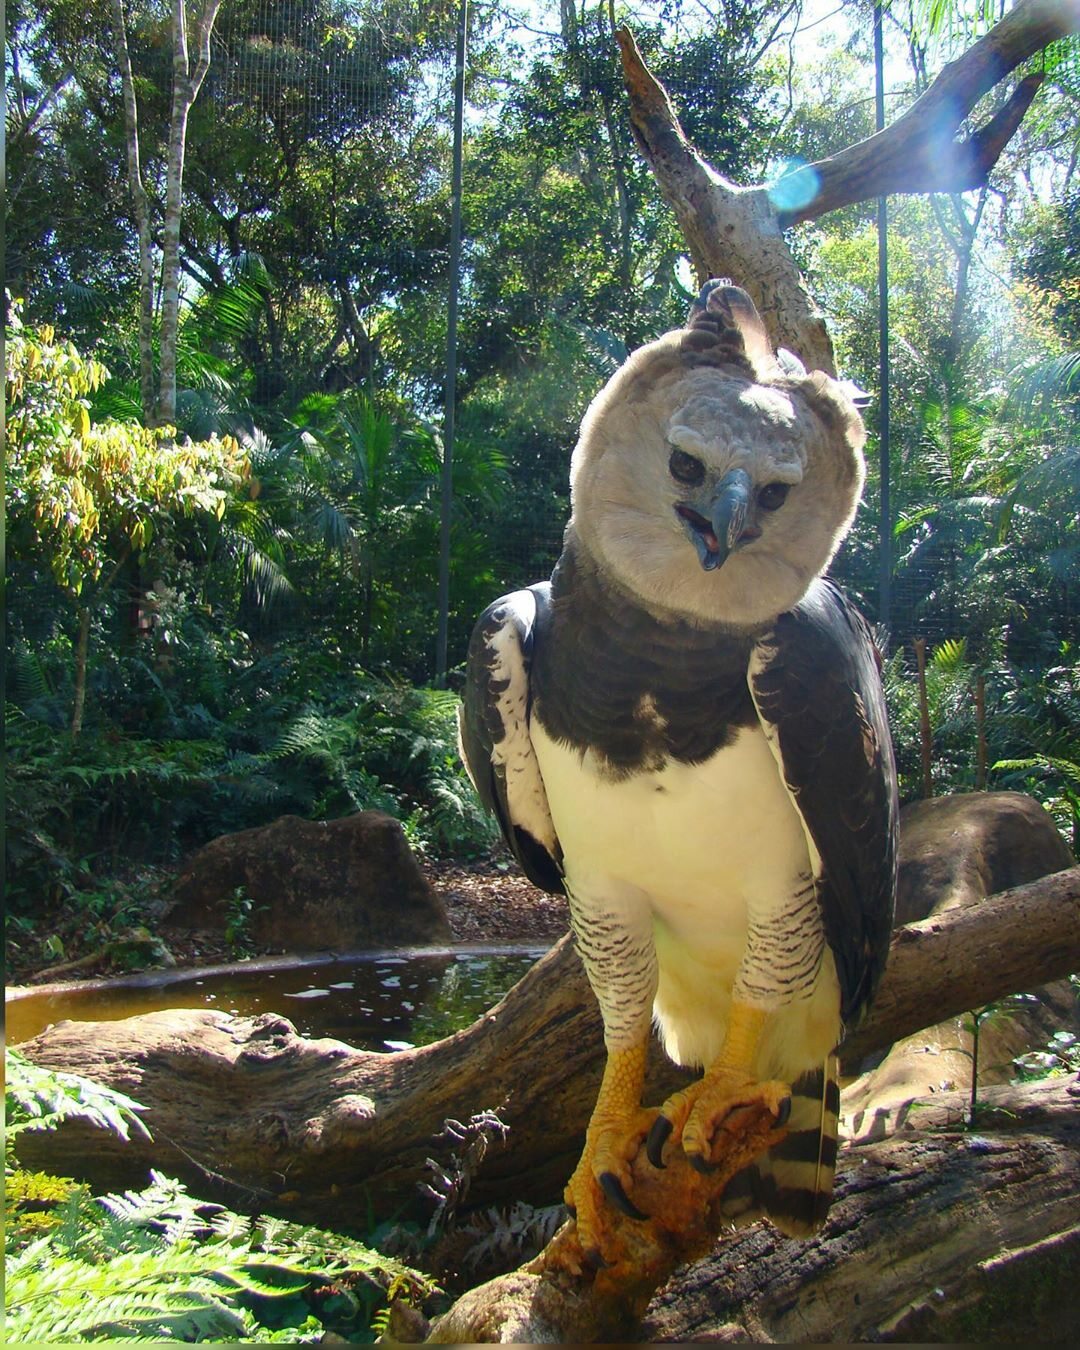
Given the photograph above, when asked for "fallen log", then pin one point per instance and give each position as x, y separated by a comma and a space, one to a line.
936, 1234
245, 1109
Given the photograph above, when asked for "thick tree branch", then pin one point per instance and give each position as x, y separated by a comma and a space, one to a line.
917, 153
934, 1235
736, 231
319, 1130
729, 230
972, 954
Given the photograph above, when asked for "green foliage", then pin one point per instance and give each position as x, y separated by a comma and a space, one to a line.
84, 495
1042, 715
1039, 711
159, 1263
240, 909
1060, 1056
222, 742
39, 1099
252, 628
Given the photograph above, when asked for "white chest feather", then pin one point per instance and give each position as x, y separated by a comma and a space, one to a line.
701, 841
709, 857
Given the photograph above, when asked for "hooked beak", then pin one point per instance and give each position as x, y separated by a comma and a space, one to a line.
720, 527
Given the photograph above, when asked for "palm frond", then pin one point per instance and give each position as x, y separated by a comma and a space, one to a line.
950, 656
1037, 389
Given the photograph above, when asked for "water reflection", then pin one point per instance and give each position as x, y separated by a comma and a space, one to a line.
385, 1002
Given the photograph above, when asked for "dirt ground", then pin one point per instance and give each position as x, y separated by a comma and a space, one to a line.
493, 902
486, 901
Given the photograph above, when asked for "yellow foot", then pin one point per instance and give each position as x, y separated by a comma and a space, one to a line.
706, 1117
602, 1182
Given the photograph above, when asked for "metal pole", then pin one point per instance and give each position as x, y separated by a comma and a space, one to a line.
885, 526
447, 475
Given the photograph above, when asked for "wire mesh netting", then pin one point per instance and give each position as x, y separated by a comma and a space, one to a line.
316, 251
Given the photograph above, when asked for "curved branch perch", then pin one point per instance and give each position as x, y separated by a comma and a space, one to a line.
729, 230
737, 231
248, 1109
922, 150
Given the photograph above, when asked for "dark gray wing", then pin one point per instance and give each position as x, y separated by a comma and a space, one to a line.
494, 733
817, 686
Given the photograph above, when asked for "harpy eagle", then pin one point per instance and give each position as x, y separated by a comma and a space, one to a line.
685, 732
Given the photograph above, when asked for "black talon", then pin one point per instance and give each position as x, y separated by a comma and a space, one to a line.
701, 1164
612, 1188
659, 1134
594, 1260
784, 1112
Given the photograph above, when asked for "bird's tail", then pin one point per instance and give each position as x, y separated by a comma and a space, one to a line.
792, 1184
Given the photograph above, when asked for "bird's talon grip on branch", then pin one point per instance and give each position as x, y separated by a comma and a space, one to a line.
659, 1134
613, 1189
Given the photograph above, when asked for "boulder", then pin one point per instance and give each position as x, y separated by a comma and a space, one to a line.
970, 844
955, 850
314, 885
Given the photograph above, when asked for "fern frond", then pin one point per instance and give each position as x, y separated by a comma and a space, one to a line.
39, 1099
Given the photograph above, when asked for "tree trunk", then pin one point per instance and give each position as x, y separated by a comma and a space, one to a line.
82, 646
187, 81
141, 211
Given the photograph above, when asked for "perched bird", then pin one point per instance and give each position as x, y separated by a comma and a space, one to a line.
684, 732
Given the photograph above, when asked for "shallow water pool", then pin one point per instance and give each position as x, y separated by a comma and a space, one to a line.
380, 1001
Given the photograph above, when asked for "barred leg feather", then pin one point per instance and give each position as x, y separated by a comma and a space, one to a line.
792, 1184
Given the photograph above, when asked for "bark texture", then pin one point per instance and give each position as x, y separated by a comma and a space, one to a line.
189, 71
730, 230
141, 211
936, 1234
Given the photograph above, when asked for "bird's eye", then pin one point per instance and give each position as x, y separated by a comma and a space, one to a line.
772, 496
686, 468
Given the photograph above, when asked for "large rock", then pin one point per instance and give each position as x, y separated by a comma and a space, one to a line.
315, 885
972, 844
954, 850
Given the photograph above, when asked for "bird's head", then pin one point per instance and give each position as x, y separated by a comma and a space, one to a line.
713, 480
